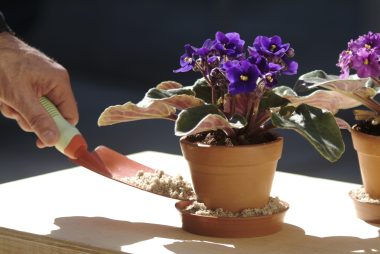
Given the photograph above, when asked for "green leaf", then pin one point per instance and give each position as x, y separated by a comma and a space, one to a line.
287, 111
307, 80
180, 98
202, 90
354, 91
238, 121
329, 100
169, 84
284, 91
317, 126
155, 93
271, 100
342, 124
132, 112
199, 119
372, 84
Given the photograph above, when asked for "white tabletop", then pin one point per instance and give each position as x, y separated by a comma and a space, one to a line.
78, 211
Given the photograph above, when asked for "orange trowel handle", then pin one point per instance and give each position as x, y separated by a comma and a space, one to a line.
70, 142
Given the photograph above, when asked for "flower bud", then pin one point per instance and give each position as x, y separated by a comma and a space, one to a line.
290, 53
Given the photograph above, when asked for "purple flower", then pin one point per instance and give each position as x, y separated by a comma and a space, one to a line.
273, 51
207, 54
230, 64
370, 41
268, 71
366, 63
344, 63
261, 63
242, 76
269, 46
362, 55
225, 65
205, 50
290, 67
228, 44
187, 60
282, 65
270, 74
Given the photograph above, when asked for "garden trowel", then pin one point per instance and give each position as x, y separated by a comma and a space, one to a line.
102, 160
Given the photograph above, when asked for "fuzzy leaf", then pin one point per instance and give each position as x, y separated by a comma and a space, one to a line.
351, 86
183, 101
319, 78
166, 85
353, 91
238, 121
287, 111
317, 126
329, 100
199, 119
271, 99
180, 98
202, 90
342, 124
284, 91
132, 112
155, 93
309, 79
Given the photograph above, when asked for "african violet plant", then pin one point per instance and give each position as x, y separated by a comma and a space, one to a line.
349, 91
237, 94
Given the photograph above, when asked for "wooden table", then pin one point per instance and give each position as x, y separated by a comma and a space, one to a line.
78, 211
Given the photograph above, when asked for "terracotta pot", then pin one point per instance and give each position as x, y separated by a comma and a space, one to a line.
232, 178
231, 227
368, 149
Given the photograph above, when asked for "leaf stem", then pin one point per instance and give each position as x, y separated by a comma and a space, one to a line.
253, 105
172, 117
233, 105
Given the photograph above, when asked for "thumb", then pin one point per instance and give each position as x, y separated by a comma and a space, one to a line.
41, 123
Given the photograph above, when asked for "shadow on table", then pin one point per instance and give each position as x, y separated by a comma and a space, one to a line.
113, 234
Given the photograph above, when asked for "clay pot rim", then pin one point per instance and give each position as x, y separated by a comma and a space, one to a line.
366, 211
279, 139
359, 133
186, 203
360, 201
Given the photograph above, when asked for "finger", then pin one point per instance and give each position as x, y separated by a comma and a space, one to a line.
39, 120
10, 113
40, 144
23, 124
63, 98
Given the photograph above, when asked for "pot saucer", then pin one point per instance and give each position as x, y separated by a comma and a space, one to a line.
366, 211
231, 227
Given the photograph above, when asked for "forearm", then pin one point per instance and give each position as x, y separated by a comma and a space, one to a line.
26, 74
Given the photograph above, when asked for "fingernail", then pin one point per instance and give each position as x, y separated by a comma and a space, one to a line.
49, 137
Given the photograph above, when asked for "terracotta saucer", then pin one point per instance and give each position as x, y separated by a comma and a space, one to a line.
367, 211
230, 227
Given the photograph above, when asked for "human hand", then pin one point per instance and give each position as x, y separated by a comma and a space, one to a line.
26, 74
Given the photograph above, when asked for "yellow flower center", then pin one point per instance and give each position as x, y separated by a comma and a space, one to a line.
273, 47
243, 78
367, 46
188, 59
269, 78
366, 62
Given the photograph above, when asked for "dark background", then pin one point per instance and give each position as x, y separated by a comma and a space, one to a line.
115, 50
